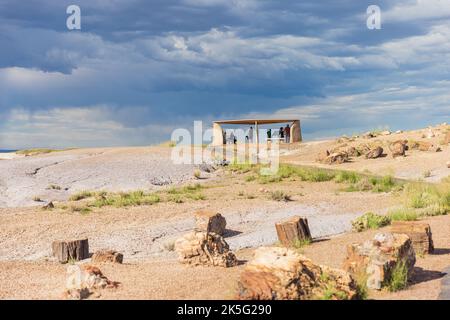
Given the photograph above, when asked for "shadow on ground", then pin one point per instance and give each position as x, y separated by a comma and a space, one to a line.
422, 275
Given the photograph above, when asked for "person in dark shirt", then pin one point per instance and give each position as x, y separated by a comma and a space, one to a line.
287, 133
281, 133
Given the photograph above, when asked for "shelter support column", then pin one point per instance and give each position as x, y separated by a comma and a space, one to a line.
296, 132
217, 135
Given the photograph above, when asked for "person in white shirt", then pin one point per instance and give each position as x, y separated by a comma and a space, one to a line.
250, 135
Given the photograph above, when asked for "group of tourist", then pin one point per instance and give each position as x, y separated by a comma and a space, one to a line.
283, 134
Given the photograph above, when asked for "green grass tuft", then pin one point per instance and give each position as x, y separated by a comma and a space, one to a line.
280, 196
347, 176
81, 195
300, 243
370, 220
399, 277
403, 214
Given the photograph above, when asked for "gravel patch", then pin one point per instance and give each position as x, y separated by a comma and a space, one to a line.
142, 242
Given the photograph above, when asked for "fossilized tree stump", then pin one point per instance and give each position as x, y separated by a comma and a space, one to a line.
71, 250
209, 221
293, 230
418, 232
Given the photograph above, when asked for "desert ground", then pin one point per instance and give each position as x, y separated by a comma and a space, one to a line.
145, 232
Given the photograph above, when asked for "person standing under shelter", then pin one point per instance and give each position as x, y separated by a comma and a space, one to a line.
250, 135
269, 134
287, 133
281, 134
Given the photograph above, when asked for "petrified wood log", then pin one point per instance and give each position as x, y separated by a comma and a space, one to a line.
293, 230
71, 250
418, 232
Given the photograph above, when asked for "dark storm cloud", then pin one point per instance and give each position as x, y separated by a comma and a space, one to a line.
136, 64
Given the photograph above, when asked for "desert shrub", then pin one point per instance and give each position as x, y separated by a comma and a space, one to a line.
398, 279
196, 196
300, 243
80, 209
176, 198
250, 178
197, 174
330, 291
403, 214
53, 187
81, 195
362, 290
269, 179
241, 167
384, 184
125, 199
280, 196
37, 199
191, 188
422, 199
427, 174
169, 246
370, 220
375, 184
347, 176
420, 196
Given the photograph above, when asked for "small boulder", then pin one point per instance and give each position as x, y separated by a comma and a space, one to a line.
209, 221
83, 280
48, 206
336, 158
103, 256
385, 133
398, 148
377, 258
277, 273
202, 248
374, 153
206, 167
426, 146
363, 148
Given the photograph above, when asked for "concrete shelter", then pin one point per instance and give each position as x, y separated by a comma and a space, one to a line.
296, 133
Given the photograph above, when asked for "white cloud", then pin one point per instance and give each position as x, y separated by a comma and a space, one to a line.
418, 10
74, 126
347, 114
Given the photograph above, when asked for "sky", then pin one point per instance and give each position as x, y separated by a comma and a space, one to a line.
139, 69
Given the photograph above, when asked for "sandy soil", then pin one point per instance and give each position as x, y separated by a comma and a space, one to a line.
150, 280
144, 233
